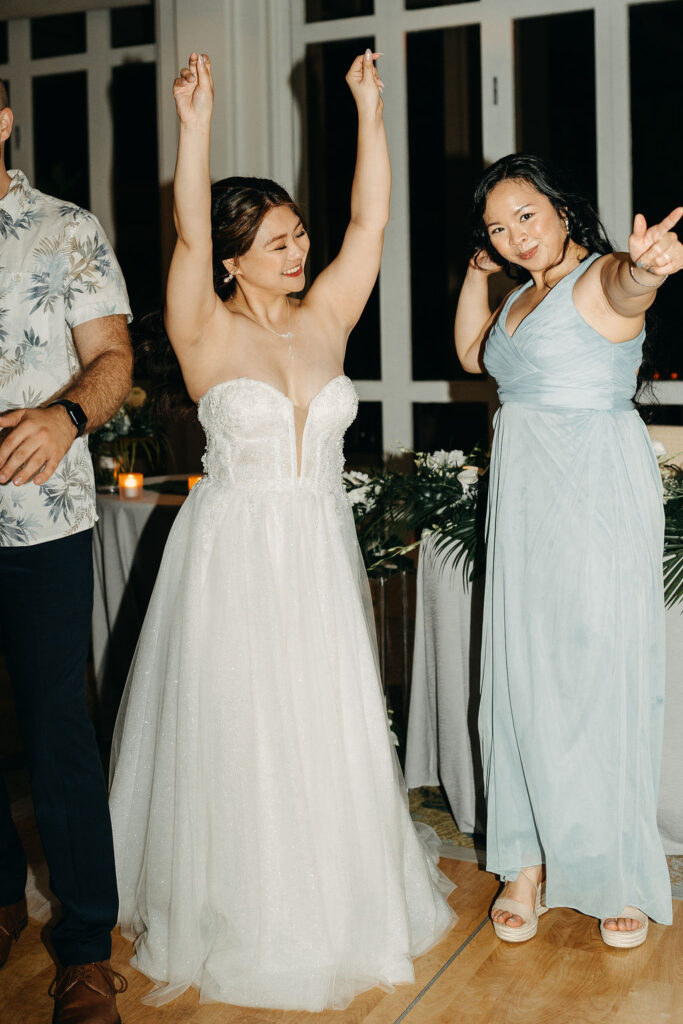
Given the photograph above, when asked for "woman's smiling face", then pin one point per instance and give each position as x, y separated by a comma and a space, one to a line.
523, 225
277, 258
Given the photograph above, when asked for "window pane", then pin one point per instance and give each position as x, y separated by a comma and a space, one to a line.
332, 134
445, 150
136, 183
416, 5
4, 43
132, 26
556, 109
363, 442
449, 425
657, 154
57, 34
61, 143
327, 10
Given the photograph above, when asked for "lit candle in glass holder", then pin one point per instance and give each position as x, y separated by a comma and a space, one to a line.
192, 480
130, 485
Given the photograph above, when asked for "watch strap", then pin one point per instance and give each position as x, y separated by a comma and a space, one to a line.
75, 414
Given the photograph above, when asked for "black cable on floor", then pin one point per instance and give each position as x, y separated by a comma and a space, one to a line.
438, 974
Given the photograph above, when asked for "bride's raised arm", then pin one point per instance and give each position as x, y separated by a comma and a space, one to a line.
344, 287
190, 296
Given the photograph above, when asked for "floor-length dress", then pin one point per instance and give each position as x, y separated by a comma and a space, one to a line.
265, 853
572, 695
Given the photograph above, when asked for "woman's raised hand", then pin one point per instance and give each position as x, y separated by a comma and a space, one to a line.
364, 82
193, 91
657, 249
482, 261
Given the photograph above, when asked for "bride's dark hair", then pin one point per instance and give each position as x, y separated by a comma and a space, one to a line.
238, 206
584, 225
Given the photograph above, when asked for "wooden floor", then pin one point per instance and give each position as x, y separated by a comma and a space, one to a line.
564, 976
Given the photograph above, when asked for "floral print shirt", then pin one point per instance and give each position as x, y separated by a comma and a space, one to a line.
57, 270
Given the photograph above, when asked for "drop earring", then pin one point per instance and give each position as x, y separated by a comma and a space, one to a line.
228, 278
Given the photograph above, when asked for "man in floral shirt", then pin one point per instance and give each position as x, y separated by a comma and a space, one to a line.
65, 366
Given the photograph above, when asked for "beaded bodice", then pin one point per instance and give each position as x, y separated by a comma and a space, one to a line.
251, 435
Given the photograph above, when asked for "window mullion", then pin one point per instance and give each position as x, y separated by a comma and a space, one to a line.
21, 98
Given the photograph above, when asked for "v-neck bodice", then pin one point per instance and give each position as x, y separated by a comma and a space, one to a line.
252, 439
555, 358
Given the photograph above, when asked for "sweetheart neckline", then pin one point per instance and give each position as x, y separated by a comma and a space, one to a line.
278, 391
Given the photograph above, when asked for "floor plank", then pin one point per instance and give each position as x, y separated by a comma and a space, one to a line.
566, 975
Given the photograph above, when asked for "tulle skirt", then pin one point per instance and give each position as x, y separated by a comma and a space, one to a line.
264, 849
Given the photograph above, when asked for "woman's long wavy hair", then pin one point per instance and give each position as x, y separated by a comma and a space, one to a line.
238, 207
583, 223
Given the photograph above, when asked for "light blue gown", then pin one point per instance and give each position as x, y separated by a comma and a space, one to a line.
572, 699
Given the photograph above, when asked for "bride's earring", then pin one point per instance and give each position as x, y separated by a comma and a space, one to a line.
228, 278
566, 225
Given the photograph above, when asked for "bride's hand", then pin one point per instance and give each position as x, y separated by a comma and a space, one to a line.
364, 82
656, 249
193, 91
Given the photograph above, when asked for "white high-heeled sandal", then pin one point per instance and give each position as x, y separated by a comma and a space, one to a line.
529, 915
626, 939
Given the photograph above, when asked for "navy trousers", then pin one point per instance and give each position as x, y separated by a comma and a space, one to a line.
45, 609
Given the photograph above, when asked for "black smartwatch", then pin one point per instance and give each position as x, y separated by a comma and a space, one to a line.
75, 413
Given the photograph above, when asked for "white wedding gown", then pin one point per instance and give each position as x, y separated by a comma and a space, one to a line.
265, 853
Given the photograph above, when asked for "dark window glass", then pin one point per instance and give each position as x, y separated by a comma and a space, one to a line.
416, 5
132, 26
327, 10
4, 43
657, 154
449, 425
556, 108
363, 445
57, 34
136, 183
61, 143
332, 134
445, 149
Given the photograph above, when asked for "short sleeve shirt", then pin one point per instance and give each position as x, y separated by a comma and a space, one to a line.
57, 270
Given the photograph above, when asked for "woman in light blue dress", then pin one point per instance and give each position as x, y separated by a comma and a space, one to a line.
573, 641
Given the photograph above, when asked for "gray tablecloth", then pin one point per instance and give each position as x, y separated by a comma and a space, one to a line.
128, 541
443, 745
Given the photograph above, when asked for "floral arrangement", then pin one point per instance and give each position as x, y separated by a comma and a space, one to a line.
446, 496
131, 431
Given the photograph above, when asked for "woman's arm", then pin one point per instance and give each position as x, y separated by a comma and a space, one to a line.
473, 317
630, 280
190, 296
344, 287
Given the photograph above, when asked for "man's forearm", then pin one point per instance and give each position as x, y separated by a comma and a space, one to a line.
101, 386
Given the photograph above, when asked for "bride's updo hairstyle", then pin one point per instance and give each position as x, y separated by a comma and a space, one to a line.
238, 207
585, 227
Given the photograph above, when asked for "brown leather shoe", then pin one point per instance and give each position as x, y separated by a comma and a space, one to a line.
12, 920
86, 994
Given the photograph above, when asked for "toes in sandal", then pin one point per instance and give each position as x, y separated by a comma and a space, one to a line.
529, 915
625, 939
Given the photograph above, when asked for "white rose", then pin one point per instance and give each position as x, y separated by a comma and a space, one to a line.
659, 449
468, 477
445, 460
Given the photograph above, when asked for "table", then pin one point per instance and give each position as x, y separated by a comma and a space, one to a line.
443, 743
128, 542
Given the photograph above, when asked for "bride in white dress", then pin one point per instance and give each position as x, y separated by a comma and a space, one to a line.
264, 849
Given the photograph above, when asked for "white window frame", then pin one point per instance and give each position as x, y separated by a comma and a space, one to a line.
397, 391
98, 61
